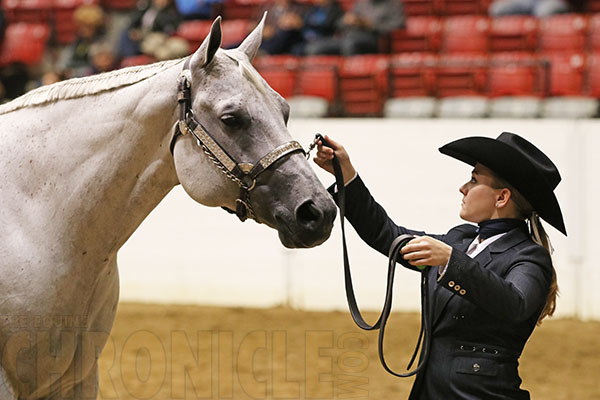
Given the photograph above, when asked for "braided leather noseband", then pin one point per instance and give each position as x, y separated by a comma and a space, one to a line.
244, 174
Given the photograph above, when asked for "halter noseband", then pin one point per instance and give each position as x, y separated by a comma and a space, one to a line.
242, 173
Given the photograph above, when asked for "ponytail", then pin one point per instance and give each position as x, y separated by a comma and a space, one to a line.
538, 234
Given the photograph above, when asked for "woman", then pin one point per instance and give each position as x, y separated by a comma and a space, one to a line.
489, 284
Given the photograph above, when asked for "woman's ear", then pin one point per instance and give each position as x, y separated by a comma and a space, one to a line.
503, 197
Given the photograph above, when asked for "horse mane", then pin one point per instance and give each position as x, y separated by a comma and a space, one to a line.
86, 86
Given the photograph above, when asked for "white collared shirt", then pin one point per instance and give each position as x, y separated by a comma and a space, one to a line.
474, 249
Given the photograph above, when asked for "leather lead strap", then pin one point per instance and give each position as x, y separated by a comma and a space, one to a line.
394, 255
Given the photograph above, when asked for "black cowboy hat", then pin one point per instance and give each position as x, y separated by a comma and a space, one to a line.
521, 164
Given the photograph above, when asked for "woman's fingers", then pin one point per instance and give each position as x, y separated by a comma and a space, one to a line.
425, 250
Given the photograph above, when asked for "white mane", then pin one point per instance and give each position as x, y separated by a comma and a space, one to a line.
89, 85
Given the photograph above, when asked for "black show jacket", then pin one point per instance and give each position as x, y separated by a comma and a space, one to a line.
484, 309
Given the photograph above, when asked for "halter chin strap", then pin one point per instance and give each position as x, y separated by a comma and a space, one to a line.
244, 174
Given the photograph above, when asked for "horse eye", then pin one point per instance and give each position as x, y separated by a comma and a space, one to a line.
230, 120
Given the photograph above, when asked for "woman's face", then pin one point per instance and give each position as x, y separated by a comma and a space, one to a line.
479, 198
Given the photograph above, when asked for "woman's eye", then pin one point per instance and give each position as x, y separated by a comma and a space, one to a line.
473, 180
230, 120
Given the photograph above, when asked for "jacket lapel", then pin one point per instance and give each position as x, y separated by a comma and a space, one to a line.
441, 297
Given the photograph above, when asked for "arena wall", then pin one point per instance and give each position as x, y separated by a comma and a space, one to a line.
188, 253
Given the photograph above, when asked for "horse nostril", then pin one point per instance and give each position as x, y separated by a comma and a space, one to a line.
308, 213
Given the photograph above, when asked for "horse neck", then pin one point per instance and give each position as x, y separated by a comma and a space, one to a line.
119, 164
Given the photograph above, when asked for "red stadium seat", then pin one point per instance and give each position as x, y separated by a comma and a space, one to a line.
33, 11
242, 9
412, 74
465, 34
593, 78
363, 84
516, 74
234, 32
282, 80
194, 32
419, 7
513, 33
279, 72
318, 76
461, 75
24, 43
420, 34
462, 7
276, 61
566, 73
594, 33
563, 33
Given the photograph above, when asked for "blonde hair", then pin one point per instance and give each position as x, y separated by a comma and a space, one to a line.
538, 234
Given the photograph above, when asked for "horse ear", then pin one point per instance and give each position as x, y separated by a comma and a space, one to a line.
206, 52
251, 44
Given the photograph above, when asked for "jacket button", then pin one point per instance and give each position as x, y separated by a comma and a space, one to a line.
476, 367
451, 283
462, 292
457, 287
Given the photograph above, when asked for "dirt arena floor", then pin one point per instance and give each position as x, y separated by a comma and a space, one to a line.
188, 352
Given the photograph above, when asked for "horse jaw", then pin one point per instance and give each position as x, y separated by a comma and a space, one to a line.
207, 50
251, 44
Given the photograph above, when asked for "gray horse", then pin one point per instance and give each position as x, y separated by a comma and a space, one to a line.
84, 161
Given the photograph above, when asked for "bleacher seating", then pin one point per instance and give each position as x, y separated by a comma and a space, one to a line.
513, 33
24, 43
465, 34
449, 49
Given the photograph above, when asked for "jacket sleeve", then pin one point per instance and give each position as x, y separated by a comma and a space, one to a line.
514, 296
370, 220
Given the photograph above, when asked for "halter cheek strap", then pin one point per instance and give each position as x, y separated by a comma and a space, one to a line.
244, 174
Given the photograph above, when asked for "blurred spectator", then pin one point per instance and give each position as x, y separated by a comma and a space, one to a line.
198, 9
162, 47
320, 22
359, 30
537, 8
90, 28
283, 27
155, 16
102, 58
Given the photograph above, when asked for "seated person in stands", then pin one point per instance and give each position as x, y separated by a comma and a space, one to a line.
320, 22
537, 8
282, 31
198, 9
90, 24
155, 16
359, 30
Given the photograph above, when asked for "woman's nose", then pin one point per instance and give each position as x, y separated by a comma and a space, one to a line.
463, 189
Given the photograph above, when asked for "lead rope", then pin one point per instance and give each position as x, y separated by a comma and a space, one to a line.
425, 331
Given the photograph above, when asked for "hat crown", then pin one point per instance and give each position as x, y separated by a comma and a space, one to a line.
533, 155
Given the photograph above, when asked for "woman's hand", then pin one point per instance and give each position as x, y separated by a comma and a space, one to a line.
425, 250
324, 158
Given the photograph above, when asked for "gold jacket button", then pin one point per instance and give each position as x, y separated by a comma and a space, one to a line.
462, 292
451, 283
457, 287
476, 367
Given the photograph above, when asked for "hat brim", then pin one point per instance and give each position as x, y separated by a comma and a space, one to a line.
516, 169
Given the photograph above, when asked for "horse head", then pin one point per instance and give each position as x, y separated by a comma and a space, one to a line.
247, 160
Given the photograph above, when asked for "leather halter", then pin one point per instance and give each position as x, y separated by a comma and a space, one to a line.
244, 174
